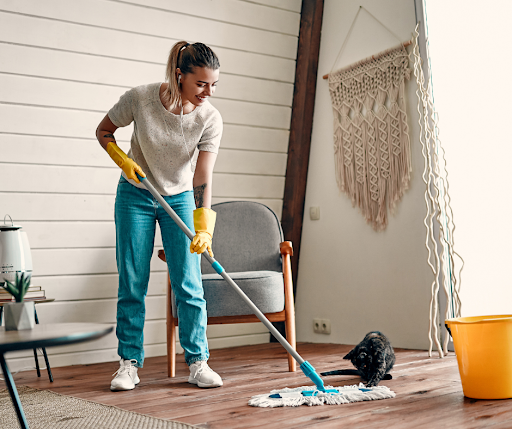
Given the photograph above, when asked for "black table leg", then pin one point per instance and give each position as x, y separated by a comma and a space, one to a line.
44, 354
37, 363
13, 392
1, 313
47, 365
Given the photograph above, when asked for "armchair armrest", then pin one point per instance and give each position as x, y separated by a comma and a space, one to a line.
286, 248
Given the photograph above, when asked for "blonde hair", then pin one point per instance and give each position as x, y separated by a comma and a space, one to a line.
186, 57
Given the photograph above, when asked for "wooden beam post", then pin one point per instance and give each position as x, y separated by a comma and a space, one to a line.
301, 126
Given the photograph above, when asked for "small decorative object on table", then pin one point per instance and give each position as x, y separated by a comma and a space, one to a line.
19, 315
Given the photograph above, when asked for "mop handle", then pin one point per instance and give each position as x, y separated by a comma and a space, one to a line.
306, 367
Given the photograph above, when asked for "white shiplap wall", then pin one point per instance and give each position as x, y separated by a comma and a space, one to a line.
63, 64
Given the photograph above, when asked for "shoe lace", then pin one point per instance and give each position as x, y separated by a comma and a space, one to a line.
202, 367
126, 367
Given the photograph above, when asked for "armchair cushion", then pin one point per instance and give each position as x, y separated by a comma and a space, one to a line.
246, 238
264, 289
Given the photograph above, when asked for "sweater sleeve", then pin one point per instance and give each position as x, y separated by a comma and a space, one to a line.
212, 134
121, 114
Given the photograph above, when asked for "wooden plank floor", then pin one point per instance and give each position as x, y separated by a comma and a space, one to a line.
428, 392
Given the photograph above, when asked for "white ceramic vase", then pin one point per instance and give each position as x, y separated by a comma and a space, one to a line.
19, 316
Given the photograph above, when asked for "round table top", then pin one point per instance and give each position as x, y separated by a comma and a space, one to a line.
47, 335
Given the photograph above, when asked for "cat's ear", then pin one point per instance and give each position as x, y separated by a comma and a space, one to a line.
350, 354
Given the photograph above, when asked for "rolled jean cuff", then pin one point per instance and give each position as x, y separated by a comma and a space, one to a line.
197, 359
137, 365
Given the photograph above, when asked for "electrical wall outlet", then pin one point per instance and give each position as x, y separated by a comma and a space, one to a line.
326, 326
322, 326
317, 326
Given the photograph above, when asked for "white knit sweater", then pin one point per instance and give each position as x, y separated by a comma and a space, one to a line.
157, 143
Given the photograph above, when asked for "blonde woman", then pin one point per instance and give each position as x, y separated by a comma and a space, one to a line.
172, 121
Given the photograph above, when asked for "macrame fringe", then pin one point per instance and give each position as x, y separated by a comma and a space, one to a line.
440, 226
348, 394
372, 152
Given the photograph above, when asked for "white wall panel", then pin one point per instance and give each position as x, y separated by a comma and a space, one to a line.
251, 162
63, 64
242, 186
92, 286
55, 150
292, 5
35, 207
258, 115
91, 96
52, 121
103, 181
58, 179
254, 138
110, 355
131, 47
76, 63
32, 149
240, 13
54, 235
135, 19
154, 333
63, 207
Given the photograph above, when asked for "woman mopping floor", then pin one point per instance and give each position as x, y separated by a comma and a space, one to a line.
171, 121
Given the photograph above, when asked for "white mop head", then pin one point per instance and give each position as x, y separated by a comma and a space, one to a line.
347, 394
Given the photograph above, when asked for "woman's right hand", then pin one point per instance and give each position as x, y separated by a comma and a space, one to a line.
128, 165
105, 135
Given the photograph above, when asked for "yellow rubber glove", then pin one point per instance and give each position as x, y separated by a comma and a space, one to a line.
204, 224
128, 165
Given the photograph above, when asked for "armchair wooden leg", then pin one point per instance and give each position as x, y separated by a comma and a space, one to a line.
289, 306
171, 335
289, 324
171, 350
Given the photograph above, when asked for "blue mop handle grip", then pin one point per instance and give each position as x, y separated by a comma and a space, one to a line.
310, 372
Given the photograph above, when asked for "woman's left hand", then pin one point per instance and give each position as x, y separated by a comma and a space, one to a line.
204, 224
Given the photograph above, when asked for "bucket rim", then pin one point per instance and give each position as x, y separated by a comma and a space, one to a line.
495, 318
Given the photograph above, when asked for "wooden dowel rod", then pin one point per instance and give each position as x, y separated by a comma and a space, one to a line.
405, 44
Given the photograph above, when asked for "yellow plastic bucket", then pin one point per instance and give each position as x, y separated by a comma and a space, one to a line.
483, 345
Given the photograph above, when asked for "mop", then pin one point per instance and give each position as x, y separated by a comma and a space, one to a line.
317, 395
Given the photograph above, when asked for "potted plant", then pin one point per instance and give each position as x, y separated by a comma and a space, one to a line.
19, 315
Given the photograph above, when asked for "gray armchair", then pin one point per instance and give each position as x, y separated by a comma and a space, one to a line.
248, 243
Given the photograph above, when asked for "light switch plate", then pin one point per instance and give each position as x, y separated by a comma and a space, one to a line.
314, 213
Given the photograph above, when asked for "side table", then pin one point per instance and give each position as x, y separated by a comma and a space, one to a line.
57, 334
36, 301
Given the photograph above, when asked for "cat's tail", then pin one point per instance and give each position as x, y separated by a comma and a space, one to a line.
352, 372
342, 372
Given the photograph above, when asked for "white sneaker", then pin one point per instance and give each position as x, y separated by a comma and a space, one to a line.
126, 376
202, 375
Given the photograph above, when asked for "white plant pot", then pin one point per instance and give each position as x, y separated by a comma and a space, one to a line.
19, 315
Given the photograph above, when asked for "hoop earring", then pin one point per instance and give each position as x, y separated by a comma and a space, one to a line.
179, 80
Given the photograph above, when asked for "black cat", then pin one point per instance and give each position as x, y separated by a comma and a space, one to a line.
373, 357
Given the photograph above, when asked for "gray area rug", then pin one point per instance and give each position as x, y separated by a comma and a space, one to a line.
49, 410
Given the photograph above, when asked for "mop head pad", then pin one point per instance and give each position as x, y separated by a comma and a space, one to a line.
346, 394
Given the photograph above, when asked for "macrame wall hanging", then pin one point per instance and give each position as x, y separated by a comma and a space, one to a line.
372, 152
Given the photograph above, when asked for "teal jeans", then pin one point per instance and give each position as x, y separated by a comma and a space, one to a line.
136, 214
